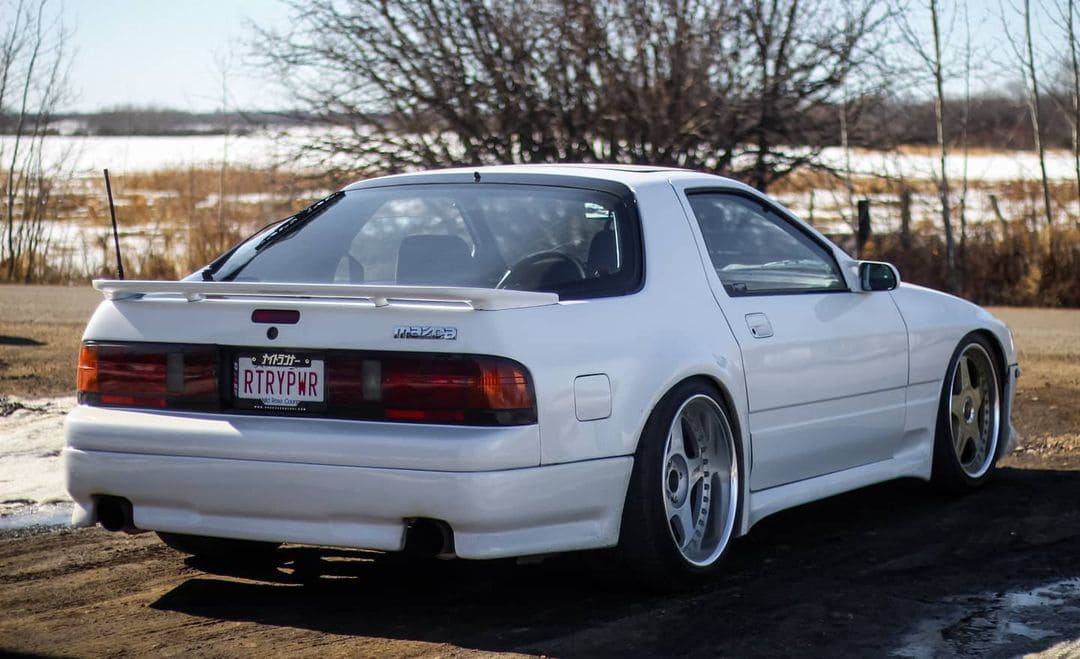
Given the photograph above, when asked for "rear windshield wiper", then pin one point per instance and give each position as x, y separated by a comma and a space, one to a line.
296, 222
284, 228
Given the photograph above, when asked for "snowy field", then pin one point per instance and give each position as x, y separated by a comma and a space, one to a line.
87, 156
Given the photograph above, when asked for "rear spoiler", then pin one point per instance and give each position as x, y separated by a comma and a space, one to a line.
480, 299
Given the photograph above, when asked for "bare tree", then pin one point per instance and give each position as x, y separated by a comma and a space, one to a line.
33, 67
1024, 51
1071, 82
934, 63
965, 119
722, 85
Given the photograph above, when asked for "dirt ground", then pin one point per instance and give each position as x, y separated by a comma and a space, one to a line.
892, 569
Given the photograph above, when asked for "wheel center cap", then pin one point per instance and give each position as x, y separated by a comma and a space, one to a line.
677, 479
969, 410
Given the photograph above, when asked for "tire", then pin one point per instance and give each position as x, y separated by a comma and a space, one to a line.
220, 550
683, 501
968, 434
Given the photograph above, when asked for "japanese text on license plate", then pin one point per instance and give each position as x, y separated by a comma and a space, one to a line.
280, 379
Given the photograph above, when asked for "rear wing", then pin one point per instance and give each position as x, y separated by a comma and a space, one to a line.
480, 299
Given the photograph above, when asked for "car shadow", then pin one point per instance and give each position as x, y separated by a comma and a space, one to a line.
854, 571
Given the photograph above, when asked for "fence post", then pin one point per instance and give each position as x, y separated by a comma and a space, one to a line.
863, 233
994, 206
905, 218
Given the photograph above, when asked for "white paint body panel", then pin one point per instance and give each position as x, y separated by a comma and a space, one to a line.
814, 406
844, 394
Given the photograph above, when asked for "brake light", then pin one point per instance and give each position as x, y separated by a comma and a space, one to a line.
148, 375
276, 316
456, 390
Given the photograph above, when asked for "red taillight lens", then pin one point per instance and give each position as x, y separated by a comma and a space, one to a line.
432, 388
453, 389
148, 375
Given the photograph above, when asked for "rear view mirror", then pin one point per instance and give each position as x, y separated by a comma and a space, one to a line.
877, 276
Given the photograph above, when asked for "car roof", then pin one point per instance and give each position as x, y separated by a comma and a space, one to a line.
629, 175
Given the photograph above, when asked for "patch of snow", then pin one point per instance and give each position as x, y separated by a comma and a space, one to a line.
1005, 624
31, 438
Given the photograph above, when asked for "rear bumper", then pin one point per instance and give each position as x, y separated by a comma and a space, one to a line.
493, 514
425, 447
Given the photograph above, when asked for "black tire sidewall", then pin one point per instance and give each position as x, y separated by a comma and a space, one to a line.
947, 472
645, 537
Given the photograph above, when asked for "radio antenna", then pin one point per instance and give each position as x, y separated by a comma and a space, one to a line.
115, 232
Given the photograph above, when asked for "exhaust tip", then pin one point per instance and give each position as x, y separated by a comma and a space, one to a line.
114, 514
429, 537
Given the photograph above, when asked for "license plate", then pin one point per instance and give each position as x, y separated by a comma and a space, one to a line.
279, 380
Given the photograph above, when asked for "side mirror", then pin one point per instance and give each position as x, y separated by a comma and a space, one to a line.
877, 276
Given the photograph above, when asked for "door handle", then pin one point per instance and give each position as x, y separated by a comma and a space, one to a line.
759, 325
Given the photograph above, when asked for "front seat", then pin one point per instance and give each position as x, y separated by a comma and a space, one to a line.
434, 260
603, 254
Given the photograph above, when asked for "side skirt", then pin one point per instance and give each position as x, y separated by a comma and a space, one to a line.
766, 502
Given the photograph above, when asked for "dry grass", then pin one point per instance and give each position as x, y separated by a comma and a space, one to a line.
184, 217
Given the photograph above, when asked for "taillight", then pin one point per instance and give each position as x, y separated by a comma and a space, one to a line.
377, 386
430, 388
148, 375
457, 390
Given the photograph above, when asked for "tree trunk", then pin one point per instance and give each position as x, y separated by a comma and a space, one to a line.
939, 117
1075, 94
1033, 106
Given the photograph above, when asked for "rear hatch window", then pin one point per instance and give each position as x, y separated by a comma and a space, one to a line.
579, 243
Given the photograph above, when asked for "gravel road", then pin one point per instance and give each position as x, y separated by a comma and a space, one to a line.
893, 569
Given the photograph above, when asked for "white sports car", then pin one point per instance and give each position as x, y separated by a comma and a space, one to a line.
520, 360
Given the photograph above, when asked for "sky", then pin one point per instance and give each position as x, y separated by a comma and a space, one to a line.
170, 53
166, 53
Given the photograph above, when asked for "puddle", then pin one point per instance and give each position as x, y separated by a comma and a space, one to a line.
36, 516
1004, 624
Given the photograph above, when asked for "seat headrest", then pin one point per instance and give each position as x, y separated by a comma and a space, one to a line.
432, 259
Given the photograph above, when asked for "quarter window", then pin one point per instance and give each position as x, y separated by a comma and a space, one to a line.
755, 251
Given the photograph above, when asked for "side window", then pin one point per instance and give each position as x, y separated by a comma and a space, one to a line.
756, 252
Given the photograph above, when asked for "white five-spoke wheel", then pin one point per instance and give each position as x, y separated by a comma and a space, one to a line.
683, 503
969, 421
